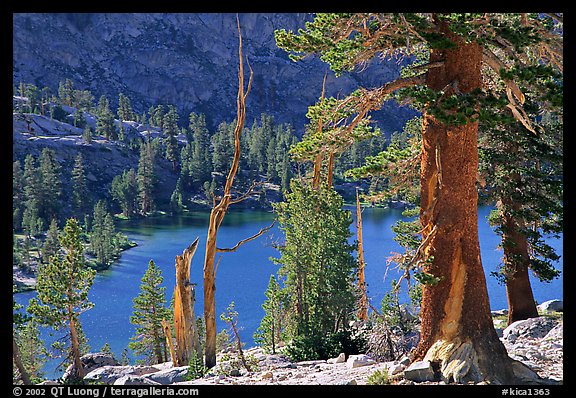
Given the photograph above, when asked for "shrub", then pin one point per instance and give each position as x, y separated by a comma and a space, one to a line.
379, 377
311, 347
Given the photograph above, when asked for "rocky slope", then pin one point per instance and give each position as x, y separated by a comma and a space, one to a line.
536, 342
186, 59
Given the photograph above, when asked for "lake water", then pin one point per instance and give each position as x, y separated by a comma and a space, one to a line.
243, 276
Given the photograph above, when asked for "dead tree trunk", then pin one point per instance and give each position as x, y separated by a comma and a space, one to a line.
457, 331
217, 215
187, 339
169, 341
363, 302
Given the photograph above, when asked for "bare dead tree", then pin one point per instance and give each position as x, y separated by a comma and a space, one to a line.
217, 216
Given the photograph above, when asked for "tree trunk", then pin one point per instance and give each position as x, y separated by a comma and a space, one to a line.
18, 362
187, 339
363, 302
217, 215
79, 368
521, 303
169, 342
457, 331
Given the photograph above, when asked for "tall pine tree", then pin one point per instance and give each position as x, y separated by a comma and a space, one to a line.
63, 286
149, 310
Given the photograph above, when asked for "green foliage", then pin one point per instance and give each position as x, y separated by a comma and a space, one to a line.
271, 328
105, 120
80, 193
51, 244
149, 310
124, 190
196, 368
63, 285
378, 378
315, 346
106, 349
317, 265
103, 239
146, 178
33, 353
171, 131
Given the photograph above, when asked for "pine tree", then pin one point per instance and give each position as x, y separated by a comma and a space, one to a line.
62, 288
105, 120
32, 350
87, 134
79, 119
454, 54
146, 178
51, 244
102, 236
124, 189
201, 159
50, 180
66, 92
171, 131
80, 193
125, 111
18, 198
31, 221
317, 265
149, 310
271, 328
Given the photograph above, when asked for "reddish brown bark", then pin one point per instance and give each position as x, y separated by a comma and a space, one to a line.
521, 303
456, 325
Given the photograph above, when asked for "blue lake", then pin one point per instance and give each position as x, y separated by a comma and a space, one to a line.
243, 276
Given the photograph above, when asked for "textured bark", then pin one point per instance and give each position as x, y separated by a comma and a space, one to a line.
456, 324
521, 303
187, 340
78, 367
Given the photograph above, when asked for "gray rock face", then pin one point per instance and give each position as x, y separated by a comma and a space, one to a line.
110, 374
533, 328
419, 371
355, 361
91, 362
186, 59
169, 376
552, 305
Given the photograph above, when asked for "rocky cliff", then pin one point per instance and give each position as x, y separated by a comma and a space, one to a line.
186, 59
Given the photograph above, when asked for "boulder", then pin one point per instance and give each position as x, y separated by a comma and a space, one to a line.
109, 374
169, 376
90, 362
556, 333
395, 368
356, 361
131, 380
552, 305
420, 371
339, 359
533, 328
